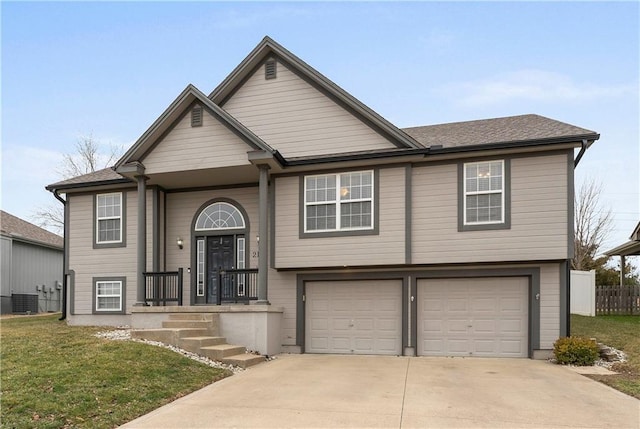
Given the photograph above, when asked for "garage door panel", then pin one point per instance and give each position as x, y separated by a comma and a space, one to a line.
340, 324
513, 347
340, 344
484, 326
457, 304
457, 346
511, 326
363, 317
476, 317
320, 343
508, 304
488, 305
455, 326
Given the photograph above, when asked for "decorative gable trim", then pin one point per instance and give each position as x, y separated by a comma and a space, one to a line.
268, 48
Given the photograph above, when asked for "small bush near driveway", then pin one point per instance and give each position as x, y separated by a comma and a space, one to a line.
575, 351
60, 376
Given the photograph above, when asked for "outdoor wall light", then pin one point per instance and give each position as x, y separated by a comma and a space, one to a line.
180, 243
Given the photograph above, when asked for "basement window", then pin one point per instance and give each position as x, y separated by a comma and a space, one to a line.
109, 294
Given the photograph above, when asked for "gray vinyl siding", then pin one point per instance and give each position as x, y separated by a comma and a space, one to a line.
33, 265
5, 275
297, 119
549, 305
182, 207
26, 266
386, 247
282, 293
539, 216
88, 262
193, 148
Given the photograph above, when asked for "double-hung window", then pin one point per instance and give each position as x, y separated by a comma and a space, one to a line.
109, 218
484, 193
339, 202
108, 295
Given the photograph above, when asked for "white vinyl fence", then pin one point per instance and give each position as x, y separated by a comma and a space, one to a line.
583, 292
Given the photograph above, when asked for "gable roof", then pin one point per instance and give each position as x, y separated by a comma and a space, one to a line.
270, 48
174, 112
21, 230
498, 130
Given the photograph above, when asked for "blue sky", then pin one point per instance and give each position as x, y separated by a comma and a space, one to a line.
110, 69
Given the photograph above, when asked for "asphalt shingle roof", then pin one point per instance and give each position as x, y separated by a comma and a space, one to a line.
104, 175
13, 226
497, 130
456, 134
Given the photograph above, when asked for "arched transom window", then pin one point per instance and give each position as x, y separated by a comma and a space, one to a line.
220, 215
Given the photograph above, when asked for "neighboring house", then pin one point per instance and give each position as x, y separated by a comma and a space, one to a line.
630, 248
346, 233
31, 278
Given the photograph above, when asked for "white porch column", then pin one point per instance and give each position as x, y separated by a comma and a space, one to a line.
263, 234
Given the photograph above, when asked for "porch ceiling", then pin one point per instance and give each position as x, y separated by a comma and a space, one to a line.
205, 177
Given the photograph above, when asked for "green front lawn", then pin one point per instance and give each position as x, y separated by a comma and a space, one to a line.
55, 375
622, 333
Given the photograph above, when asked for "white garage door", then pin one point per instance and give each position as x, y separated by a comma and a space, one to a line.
485, 317
354, 317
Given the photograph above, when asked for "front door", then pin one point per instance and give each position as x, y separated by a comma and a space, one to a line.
220, 257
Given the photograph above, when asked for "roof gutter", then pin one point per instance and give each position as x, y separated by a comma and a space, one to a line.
583, 149
65, 248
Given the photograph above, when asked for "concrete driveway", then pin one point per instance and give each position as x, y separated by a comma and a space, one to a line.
309, 391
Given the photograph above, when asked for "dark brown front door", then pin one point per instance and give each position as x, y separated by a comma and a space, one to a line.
220, 257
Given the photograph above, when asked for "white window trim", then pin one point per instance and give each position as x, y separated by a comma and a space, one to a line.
200, 267
98, 296
465, 194
98, 218
224, 228
240, 264
338, 202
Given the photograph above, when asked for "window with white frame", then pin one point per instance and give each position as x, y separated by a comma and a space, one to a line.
200, 267
109, 295
339, 202
109, 218
484, 196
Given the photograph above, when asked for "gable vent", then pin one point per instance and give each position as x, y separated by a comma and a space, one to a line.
196, 116
270, 69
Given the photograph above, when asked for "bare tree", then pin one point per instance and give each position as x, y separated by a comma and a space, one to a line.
593, 224
89, 156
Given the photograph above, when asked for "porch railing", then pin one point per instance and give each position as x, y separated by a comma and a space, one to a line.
238, 285
163, 287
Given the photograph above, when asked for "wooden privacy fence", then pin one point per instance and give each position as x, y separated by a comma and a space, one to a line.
618, 300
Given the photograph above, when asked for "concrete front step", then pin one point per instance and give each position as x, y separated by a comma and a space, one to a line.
193, 316
244, 360
221, 351
198, 324
194, 344
168, 336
